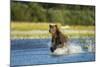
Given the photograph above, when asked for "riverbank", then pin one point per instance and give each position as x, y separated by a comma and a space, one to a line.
40, 30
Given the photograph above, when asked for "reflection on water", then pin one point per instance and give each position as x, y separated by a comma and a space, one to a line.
36, 51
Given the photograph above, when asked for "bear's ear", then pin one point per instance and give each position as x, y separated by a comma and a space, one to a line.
56, 26
50, 25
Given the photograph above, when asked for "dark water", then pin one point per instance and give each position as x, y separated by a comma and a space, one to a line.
36, 51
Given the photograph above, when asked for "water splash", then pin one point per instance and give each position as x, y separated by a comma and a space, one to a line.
77, 46
91, 47
68, 49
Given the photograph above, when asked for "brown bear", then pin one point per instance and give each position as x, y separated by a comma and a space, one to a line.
58, 39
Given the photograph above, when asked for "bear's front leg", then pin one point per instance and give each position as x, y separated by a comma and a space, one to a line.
53, 48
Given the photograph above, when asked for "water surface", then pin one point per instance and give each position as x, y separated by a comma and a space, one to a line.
36, 51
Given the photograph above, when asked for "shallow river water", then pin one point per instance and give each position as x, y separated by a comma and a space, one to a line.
26, 52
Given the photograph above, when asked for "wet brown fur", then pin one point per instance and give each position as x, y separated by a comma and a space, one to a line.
58, 39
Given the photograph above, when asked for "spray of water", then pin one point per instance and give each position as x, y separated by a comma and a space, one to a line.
70, 49
91, 47
67, 49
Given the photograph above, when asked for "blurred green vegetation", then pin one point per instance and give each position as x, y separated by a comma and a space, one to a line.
73, 20
35, 12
